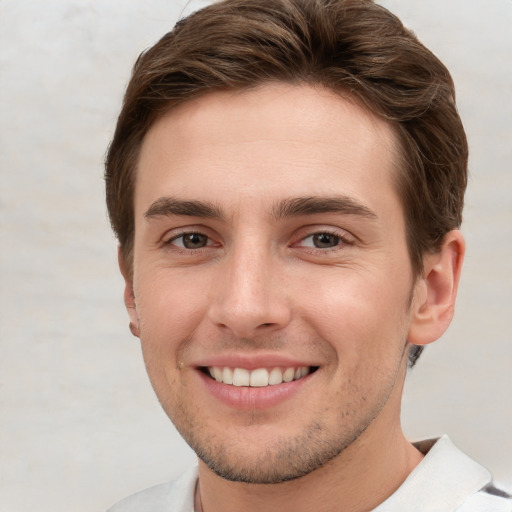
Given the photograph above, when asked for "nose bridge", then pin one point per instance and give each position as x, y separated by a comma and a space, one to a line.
248, 298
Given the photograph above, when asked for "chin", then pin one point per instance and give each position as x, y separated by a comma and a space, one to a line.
280, 460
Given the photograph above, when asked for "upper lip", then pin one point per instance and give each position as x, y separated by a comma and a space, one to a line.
253, 361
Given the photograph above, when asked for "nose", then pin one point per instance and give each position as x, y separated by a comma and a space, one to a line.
250, 297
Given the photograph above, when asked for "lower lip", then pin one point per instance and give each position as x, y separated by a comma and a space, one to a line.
249, 398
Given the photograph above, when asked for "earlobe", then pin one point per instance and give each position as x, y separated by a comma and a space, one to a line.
435, 293
129, 294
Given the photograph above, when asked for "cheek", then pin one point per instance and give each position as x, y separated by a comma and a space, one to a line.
168, 302
165, 322
169, 311
360, 315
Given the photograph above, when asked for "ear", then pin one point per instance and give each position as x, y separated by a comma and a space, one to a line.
434, 296
129, 294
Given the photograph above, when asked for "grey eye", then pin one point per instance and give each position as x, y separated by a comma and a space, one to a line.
193, 240
325, 240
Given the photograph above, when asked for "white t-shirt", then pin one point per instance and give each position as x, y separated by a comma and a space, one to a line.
446, 480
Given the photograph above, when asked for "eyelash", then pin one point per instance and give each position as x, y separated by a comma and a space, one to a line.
343, 240
182, 235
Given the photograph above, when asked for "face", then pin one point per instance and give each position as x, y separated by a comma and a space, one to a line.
271, 277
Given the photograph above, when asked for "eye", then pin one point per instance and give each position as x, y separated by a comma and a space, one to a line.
190, 241
321, 241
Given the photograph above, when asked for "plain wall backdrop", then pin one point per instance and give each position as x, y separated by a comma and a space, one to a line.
80, 426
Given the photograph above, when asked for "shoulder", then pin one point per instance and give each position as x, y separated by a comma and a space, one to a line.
177, 495
488, 499
447, 480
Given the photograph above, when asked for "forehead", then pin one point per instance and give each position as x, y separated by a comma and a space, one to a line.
264, 143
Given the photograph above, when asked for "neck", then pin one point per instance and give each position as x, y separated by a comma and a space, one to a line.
364, 475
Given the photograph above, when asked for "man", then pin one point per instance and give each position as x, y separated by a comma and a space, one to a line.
286, 182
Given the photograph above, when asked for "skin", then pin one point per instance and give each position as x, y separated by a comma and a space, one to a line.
256, 283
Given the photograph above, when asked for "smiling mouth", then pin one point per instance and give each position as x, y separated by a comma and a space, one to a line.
258, 378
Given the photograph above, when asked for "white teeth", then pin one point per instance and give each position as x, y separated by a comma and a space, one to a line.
275, 377
241, 377
289, 374
227, 375
260, 377
217, 374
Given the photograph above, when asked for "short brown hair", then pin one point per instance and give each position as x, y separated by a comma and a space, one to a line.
352, 46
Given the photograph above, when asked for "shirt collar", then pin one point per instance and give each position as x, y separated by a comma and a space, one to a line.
440, 483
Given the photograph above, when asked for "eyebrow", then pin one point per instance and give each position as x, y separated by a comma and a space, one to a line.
313, 205
295, 207
166, 206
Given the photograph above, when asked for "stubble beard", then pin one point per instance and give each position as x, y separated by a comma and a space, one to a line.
280, 458
282, 461
285, 457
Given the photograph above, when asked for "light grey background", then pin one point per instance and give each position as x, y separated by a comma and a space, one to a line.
79, 425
